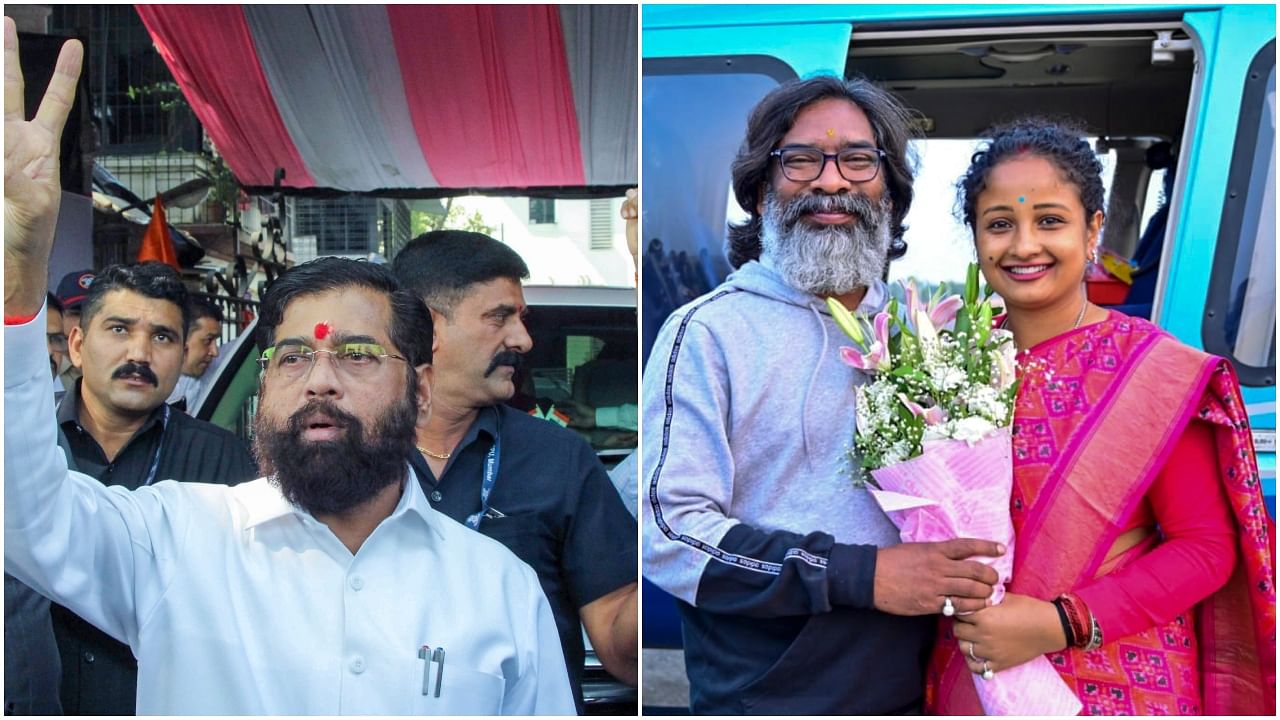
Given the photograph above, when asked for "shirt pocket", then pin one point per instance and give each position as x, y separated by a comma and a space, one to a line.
527, 535
463, 690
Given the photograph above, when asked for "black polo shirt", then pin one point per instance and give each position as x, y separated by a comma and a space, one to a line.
552, 504
131, 464
99, 673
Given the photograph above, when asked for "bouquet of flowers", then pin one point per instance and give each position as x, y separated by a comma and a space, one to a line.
932, 445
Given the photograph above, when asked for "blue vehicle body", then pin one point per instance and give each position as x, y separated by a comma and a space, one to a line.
705, 66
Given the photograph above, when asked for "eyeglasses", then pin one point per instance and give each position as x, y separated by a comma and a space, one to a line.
356, 360
57, 341
801, 163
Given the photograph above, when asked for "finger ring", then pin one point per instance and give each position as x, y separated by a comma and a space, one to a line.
987, 672
975, 657
947, 608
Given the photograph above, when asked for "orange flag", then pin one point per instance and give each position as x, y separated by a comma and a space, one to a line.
156, 243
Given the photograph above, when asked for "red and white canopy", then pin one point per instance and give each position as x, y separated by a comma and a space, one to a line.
418, 100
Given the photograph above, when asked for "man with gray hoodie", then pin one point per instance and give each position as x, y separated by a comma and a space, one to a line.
794, 591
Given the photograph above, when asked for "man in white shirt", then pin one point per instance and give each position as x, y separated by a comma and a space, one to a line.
328, 587
204, 331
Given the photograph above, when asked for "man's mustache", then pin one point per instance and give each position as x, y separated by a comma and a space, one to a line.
132, 368
298, 420
506, 357
849, 203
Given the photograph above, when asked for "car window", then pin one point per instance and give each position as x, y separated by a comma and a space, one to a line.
1240, 315
694, 113
582, 374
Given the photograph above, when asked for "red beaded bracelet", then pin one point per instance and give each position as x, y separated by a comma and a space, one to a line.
1080, 631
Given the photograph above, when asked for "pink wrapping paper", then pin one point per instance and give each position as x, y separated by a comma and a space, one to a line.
957, 490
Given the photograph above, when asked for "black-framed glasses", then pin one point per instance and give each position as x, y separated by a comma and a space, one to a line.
357, 360
802, 163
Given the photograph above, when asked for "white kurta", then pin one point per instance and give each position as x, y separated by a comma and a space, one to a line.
236, 602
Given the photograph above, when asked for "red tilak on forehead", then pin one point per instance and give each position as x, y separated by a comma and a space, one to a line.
322, 330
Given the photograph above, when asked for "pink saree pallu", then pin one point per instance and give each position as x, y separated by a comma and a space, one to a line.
1099, 410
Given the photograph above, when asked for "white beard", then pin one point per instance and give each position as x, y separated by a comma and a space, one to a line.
825, 260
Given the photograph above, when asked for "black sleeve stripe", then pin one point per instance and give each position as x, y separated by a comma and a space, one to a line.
746, 563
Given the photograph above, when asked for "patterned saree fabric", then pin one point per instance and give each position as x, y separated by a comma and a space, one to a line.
400, 97
1098, 414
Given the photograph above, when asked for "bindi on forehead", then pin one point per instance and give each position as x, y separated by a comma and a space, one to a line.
322, 330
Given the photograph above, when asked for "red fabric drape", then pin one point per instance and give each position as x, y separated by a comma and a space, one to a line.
490, 93
211, 54
156, 243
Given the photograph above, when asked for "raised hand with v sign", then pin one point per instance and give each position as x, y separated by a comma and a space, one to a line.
32, 187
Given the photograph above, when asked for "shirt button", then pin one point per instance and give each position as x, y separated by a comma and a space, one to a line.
356, 582
357, 665
88, 656
436, 496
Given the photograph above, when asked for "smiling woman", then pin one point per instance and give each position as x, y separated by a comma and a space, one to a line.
1138, 515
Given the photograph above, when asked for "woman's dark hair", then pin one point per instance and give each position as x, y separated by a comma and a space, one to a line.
1061, 142
154, 280
410, 331
773, 117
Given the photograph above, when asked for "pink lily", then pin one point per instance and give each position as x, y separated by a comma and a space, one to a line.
932, 416
876, 358
945, 311
913, 298
941, 312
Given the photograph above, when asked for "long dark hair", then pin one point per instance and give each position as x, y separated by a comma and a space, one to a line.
773, 117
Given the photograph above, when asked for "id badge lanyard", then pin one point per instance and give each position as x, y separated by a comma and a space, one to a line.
490, 476
155, 459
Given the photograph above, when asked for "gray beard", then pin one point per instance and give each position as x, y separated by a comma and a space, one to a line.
826, 259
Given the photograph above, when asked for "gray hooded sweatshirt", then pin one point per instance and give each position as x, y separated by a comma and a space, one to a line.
750, 516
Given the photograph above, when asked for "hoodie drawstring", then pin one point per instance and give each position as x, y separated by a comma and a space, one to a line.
813, 377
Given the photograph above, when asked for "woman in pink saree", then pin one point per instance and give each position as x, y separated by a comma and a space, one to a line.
1144, 562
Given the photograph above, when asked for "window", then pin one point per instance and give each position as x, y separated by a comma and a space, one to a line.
542, 211
694, 113
583, 360
1240, 315
602, 214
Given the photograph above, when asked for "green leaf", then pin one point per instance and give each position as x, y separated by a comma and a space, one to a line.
984, 323
971, 285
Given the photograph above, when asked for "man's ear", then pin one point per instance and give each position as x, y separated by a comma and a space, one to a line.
74, 342
437, 319
426, 381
